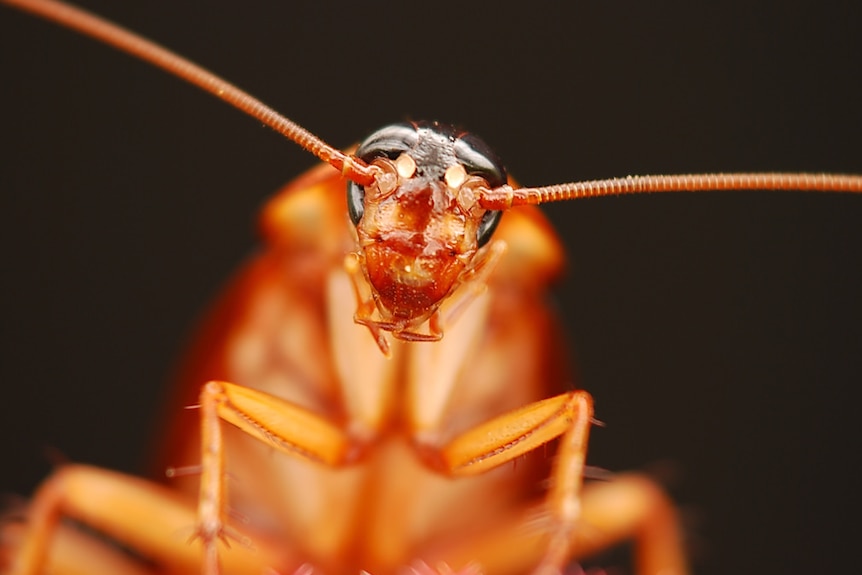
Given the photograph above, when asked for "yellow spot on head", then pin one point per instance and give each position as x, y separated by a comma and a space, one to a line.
405, 165
455, 176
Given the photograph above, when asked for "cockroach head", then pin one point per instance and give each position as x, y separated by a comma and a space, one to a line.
419, 224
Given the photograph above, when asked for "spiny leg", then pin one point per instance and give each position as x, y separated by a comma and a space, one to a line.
628, 507
513, 434
281, 424
71, 551
150, 519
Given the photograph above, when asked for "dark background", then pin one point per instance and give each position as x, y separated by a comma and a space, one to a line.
721, 334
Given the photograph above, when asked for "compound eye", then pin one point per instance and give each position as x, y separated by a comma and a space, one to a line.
389, 142
355, 202
480, 160
487, 226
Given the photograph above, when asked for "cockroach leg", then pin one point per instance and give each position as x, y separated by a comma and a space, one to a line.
573, 521
628, 507
284, 425
507, 437
152, 519
72, 551
287, 427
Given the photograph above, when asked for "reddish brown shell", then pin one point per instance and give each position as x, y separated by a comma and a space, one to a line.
272, 330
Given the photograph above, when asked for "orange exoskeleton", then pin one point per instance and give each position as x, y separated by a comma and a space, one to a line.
399, 362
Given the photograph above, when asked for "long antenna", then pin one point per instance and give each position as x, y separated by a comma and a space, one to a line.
499, 198
127, 41
506, 197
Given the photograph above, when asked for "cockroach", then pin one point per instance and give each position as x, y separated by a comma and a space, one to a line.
370, 566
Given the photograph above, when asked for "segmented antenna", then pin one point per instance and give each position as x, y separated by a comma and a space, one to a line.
127, 41
355, 169
506, 197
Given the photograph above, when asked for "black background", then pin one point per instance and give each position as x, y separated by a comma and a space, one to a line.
721, 334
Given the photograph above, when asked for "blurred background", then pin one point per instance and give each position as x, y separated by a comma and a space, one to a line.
721, 334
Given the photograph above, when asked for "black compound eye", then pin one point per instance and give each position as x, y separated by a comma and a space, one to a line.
480, 160
489, 223
355, 202
434, 147
389, 142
